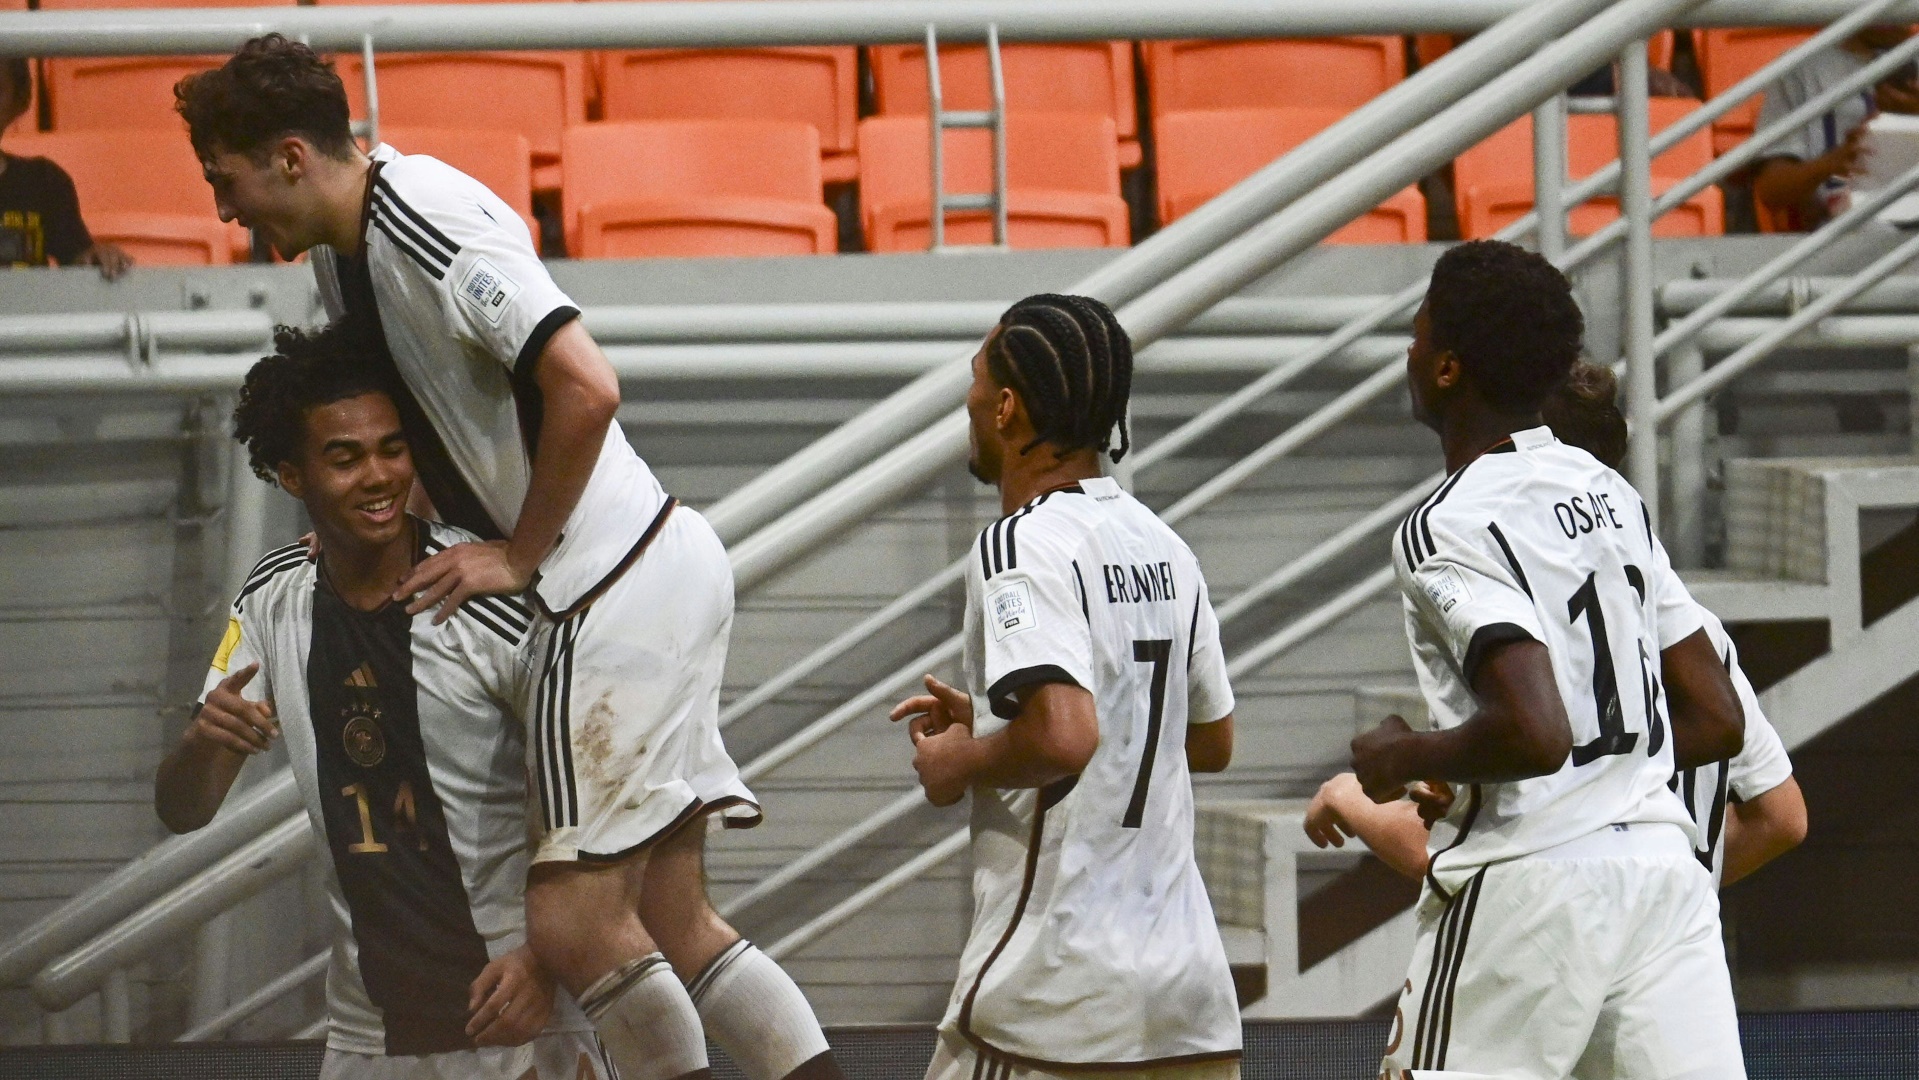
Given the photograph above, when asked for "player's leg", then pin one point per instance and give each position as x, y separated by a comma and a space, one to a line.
1502, 982
583, 923
747, 1003
1670, 1015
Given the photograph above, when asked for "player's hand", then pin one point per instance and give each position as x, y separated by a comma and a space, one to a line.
944, 763
510, 1001
1848, 157
1376, 760
1897, 96
112, 259
312, 541
228, 720
1434, 799
458, 574
1326, 823
934, 711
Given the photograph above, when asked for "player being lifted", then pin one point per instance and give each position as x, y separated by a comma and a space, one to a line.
1566, 928
1094, 655
1746, 812
403, 743
509, 407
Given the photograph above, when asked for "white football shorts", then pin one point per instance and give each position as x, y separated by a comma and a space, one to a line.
1598, 959
556, 1055
623, 740
957, 1059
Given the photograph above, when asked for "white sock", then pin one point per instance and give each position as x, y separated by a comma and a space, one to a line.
759, 1017
646, 1021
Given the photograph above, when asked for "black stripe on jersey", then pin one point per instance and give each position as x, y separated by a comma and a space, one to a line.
433, 270
1471, 898
385, 190
1513, 560
1192, 633
1435, 978
1484, 640
563, 733
1406, 542
1079, 585
478, 613
273, 558
383, 208
1465, 830
261, 580
1005, 552
1645, 515
385, 827
1426, 511
999, 552
513, 617
1002, 695
542, 760
985, 561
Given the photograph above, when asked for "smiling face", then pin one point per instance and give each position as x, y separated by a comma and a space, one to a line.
354, 472
270, 196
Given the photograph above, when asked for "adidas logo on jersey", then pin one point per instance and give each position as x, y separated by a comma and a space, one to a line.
363, 677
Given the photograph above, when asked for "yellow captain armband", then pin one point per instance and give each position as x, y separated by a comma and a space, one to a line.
227, 644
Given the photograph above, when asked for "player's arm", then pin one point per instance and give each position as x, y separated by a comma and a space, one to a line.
1053, 736
1708, 723
1519, 731
1393, 831
1761, 829
226, 729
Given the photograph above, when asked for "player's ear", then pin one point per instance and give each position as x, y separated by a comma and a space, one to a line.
1447, 370
1008, 410
290, 479
291, 158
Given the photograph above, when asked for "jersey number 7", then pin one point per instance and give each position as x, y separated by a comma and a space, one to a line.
1159, 653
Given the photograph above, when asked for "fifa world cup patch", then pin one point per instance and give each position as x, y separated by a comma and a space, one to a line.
1446, 589
488, 290
227, 644
1011, 610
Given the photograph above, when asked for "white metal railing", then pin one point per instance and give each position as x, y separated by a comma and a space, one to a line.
1374, 152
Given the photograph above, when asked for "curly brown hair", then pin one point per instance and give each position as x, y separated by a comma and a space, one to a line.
272, 88
1584, 412
308, 369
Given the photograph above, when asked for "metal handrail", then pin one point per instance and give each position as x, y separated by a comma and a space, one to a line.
303, 973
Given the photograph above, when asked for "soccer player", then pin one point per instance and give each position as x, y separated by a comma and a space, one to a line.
398, 729
1746, 812
509, 408
1093, 655
1566, 928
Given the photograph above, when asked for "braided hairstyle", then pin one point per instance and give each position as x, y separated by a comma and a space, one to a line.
1072, 365
309, 368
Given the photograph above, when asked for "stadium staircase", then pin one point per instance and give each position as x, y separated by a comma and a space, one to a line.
1272, 431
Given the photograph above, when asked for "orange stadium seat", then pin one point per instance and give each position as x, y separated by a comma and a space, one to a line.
535, 94
1430, 47
1200, 154
1091, 77
1338, 72
642, 189
1062, 179
498, 159
120, 92
1727, 56
1494, 180
818, 86
144, 191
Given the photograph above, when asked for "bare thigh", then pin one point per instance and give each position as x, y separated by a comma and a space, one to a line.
673, 904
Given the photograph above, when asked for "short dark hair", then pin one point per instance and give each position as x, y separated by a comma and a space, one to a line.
19, 78
1072, 364
1509, 316
308, 369
272, 88
1584, 412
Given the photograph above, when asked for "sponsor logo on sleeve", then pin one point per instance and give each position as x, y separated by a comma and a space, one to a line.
1011, 610
227, 644
488, 291
1446, 589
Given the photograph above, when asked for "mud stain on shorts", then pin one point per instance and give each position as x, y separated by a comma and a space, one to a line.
596, 751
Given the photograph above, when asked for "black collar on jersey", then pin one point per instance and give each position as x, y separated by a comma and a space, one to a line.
323, 579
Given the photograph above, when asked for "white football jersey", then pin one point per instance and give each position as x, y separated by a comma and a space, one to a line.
1093, 941
1538, 540
407, 749
1760, 765
449, 275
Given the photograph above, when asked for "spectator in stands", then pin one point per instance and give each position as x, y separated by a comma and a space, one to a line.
39, 210
1802, 180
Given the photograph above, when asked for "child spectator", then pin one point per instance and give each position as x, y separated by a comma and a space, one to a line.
1802, 178
39, 210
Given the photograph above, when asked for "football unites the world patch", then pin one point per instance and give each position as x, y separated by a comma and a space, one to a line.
488, 290
1011, 610
1446, 589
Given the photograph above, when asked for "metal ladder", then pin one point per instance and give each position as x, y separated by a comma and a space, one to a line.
940, 121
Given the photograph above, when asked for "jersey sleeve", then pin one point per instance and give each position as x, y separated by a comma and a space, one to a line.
1209, 695
1761, 763
66, 233
1033, 620
1467, 591
1675, 613
239, 646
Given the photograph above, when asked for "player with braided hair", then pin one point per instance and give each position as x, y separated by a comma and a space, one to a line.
1090, 639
